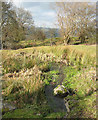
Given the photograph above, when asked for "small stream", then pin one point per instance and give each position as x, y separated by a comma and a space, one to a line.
56, 103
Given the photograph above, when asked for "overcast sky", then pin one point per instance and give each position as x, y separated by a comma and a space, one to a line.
42, 12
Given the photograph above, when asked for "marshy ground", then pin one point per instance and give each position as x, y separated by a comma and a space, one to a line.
31, 74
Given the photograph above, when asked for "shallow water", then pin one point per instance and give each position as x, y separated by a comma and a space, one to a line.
56, 103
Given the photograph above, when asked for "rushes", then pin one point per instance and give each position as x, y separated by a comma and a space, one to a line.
23, 84
69, 55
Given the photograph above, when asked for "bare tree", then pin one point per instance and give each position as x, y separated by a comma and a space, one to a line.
76, 19
24, 18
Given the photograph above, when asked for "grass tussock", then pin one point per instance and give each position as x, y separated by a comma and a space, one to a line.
23, 87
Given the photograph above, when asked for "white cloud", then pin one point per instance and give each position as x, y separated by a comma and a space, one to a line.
44, 23
50, 13
42, 14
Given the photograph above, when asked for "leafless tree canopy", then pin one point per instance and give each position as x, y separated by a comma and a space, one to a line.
76, 19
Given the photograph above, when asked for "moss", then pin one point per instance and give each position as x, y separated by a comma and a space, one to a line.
56, 115
83, 108
4, 110
82, 103
34, 111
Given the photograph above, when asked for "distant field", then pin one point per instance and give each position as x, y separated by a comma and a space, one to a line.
91, 49
84, 51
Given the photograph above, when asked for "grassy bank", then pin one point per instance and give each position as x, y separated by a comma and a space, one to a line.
82, 55
27, 71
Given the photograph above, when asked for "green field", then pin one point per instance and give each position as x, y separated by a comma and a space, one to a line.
27, 71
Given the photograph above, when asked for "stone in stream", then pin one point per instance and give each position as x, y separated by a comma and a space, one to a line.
61, 91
